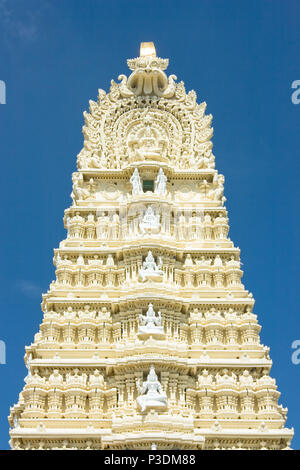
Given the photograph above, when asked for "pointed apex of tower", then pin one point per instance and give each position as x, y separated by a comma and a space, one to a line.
147, 49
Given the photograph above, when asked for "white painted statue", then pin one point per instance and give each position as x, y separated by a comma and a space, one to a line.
233, 262
218, 261
150, 222
16, 422
152, 395
161, 183
135, 181
151, 325
150, 269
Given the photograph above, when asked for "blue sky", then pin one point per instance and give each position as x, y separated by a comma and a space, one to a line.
241, 57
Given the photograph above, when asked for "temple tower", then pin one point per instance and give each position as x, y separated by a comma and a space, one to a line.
148, 337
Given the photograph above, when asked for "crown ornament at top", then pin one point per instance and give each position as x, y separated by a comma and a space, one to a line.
147, 116
148, 77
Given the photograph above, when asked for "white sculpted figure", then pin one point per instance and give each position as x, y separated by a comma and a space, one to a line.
160, 183
203, 261
233, 262
79, 191
55, 378
218, 261
150, 222
150, 269
246, 379
217, 193
16, 421
75, 378
226, 379
102, 225
147, 142
205, 379
96, 379
135, 181
152, 395
151, 325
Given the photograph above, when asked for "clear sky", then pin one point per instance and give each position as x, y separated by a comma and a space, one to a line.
241, 57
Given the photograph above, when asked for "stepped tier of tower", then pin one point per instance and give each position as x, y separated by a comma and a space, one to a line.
148, 336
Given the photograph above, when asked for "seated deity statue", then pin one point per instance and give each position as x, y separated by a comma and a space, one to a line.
150, 270
151, 325
95, 261
205, 379
246, 379
203, 261
76, 219
151, 393
233, 263
147, 144
188, 261
79, 190
76, 379
217, 192
110, 260
266, 380
218, 261
69, 314
150, 222
136, 184
34, 379
55, 378
220, 219
230, 315
62, 261
161, 183
80, 260
86, 313
226, 379
96, 379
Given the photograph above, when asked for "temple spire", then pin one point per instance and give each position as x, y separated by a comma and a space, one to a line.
148, 334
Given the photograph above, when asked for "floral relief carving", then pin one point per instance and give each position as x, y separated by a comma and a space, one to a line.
147, 116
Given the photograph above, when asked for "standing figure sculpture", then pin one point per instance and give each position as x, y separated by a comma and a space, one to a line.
135, 181
161, 183
152, 395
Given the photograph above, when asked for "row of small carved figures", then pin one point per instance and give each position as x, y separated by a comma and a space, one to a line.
87, 189
107, 262
97, 444
89, 381
219, 400
197, 314
200, 278
87, 332
181, 228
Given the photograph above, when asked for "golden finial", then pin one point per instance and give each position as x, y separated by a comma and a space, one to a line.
147, 49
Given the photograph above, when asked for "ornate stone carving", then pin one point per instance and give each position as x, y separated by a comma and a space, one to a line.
150, 270
94, 346
150, 222
150, 324
136, 184
151, 393
147, 116
161, 183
